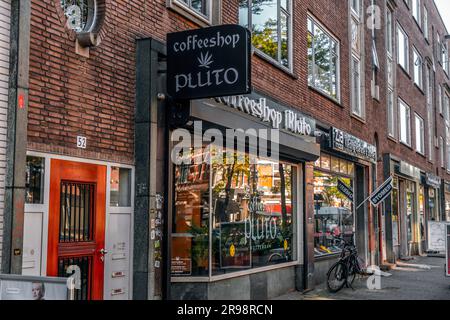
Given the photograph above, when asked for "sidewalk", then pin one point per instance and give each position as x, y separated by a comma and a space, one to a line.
420, 279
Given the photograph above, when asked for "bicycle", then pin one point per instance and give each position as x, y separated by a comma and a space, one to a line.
344, 271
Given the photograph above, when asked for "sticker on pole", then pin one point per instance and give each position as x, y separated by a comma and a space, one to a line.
345, 189
382, 192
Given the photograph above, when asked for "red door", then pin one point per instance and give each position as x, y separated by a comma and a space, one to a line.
76, 233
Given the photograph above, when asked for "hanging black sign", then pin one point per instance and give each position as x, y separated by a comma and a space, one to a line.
209, 62
382, 192
345, 190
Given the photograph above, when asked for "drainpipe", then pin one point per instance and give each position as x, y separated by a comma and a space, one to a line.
17, 138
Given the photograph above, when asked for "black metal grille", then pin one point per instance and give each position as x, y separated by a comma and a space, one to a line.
77, 203
84, 263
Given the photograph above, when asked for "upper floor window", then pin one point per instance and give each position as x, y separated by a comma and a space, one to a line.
199, 6
402, 48
416, 11
323, 60
81, 14
355, 6
405, 123
270, 23
438, 47
417, 68
420, 141
389, 33
425, 23
445, 63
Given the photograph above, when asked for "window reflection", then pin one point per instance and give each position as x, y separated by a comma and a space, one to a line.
252, 214
34, 180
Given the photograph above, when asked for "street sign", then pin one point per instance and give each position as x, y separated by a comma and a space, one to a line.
447, 267
345, 189
209, 62
382, 192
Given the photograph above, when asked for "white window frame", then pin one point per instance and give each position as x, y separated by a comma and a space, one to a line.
442, 151
426, 30
316, 23
289, 13
419, 127
416, 11
405, 47
418, 68
357, 106
391, 114
407, 108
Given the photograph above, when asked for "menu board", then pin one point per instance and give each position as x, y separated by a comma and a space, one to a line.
235, 248
436, 236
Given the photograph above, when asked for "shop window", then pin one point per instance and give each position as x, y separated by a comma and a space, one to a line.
323, 60
422, 213
335, 164
325, 162
333, 213
120, 187
249, 207
270, 23
34, 180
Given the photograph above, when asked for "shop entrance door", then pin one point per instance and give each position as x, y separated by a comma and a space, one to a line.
76, 232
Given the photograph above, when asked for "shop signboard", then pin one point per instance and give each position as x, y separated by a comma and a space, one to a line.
266, 110
235, 248
345, 189
382, 192
447, 264
409, 170
18, 287
436, 236
209, 62
346, 143
433, 181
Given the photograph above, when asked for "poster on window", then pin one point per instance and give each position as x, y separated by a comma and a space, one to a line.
181, 263
15, 287
436, 236
235, 247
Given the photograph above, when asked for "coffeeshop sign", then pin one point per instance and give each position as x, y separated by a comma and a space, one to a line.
209, 62
353, 146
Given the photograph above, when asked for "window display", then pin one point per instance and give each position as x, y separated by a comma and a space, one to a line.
251, 210
333, 210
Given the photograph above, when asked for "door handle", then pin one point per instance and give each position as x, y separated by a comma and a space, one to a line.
103, 251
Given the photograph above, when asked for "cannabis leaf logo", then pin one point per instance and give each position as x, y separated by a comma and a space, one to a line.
205, 60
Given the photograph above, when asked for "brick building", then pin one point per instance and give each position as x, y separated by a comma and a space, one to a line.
103, 194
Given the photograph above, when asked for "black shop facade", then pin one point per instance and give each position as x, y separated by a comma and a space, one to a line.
342, 179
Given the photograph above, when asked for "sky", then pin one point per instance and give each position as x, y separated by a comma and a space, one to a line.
444, 9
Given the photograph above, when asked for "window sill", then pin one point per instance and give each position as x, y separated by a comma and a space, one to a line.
392, 138
323, 94
360, 119
232, 275
421, 154
327, 257
406, 145
419, 88
406, 72
274, 63
189, 14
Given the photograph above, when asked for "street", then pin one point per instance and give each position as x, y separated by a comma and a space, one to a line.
419, 279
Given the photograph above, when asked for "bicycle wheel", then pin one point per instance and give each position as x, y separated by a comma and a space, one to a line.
336, 277
351, 274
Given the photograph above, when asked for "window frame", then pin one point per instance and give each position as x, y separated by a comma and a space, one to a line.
262, 54
338, 60
417, 12
419, 68
297, 191
407, 49
401, 104
421, 133
356, 95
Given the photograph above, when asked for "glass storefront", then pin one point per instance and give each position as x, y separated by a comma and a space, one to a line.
395, 213
232, 217
410, 204
422, 212
333, 211
433, 204
447, 206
